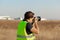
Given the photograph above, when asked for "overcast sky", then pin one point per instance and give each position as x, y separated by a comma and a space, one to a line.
49, 9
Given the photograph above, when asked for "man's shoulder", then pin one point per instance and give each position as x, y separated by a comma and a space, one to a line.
29, 23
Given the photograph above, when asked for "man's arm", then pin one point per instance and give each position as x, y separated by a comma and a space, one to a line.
34, 30
31, 28
35, 27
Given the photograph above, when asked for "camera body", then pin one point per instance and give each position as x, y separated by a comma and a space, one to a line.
38, 19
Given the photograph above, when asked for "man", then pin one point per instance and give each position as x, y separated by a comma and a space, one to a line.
27, 27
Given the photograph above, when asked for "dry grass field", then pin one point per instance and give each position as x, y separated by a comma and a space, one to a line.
49, 30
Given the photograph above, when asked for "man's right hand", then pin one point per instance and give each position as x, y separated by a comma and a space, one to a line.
35, 29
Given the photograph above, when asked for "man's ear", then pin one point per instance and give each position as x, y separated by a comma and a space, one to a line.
29, 18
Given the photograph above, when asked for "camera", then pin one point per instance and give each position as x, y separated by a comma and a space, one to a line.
38, 19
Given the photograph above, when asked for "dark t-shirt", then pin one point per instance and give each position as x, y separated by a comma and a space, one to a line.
28, 28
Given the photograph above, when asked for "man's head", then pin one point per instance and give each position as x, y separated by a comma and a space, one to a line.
29, 16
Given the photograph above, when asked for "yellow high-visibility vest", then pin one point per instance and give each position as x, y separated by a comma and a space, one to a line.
21, 32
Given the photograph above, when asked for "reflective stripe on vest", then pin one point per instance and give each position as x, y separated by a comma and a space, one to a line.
20, 36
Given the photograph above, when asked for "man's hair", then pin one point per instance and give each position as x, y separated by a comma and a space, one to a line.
28, 15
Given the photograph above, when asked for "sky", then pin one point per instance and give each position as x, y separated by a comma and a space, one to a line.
49, 9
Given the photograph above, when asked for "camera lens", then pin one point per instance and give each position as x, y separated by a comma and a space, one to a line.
39, 18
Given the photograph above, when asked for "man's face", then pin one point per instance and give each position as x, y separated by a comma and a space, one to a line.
31, 20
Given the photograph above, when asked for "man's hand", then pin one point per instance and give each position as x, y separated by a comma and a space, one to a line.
36, 25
